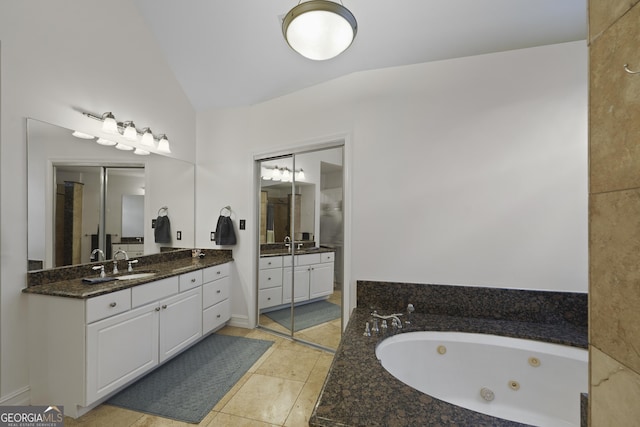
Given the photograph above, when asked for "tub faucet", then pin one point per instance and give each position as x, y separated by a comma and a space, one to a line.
395, 318
115, 259
287, 245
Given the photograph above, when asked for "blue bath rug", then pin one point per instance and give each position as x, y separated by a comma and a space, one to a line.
188, 386
306, 315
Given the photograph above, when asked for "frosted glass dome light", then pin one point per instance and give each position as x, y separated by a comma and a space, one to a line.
319, 29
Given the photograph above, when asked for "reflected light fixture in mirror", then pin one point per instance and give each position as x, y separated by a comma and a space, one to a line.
123, 147
82, 135
141, 152
319, 29
106, 142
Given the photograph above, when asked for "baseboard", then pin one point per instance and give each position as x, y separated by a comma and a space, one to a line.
21, 397
240, 322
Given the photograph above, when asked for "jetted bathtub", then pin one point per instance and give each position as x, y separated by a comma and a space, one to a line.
526, 381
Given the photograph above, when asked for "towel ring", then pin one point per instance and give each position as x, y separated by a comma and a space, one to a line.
226, 208
165, 209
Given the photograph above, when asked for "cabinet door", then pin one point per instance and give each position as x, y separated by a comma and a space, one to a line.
180, 322
321, 280
119, 349
301, 291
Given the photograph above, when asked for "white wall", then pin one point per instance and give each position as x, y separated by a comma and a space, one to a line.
469, 171
57, 57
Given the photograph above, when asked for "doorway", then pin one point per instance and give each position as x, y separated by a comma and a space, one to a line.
300, 244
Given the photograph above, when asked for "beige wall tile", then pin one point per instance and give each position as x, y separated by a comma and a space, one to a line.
615, 107
615, 392
603, 13
614, 245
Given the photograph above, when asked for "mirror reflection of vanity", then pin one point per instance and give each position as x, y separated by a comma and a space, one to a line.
300, 277
84, 196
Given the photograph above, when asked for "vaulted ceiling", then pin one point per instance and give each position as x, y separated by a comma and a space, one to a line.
228, 53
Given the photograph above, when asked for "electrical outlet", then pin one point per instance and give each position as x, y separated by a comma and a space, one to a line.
243, 224
179, 235
213, 236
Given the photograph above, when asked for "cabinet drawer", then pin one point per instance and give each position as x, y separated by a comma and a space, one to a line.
190, 280
327, 257
153, 291
270, 278
214, 292
215, 316
215, 272
270, 297
108, 305
308, 259
271, 262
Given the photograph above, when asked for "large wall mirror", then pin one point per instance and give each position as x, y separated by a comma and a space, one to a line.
84, 196
300, 249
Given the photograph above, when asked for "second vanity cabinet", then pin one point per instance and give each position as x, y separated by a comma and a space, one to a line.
312, 273
86, 349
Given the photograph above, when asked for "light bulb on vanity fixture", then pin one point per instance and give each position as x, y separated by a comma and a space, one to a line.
163, 144
141, 152
147, 138
130, 132
109, 124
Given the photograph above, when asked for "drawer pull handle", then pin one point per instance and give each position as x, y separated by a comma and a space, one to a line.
268, 278
218, 316
218, 291
269, 299
193, 280
113, 304
164, 306
157, 308
218, 272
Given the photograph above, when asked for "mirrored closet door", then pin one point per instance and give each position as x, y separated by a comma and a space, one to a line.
300, 256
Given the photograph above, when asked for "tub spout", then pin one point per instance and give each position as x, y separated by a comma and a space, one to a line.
395, 318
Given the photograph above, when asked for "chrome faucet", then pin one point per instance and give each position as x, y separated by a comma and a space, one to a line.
115, 259
395, 318
287, 245
97, 251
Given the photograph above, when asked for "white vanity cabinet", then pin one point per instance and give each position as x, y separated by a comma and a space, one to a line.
162, 323
216, 288
83, 350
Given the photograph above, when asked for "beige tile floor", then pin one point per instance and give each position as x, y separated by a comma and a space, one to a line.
280, 389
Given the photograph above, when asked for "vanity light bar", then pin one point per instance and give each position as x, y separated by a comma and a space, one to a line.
129, 131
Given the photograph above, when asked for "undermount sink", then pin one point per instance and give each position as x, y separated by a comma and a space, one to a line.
133, 276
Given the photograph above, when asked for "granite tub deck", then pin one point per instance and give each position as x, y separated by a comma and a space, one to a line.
67, 281
358, 391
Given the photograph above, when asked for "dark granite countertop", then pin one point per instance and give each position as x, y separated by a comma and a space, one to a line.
164, 266
358, 391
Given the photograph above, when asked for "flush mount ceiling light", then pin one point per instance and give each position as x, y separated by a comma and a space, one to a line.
319, 29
